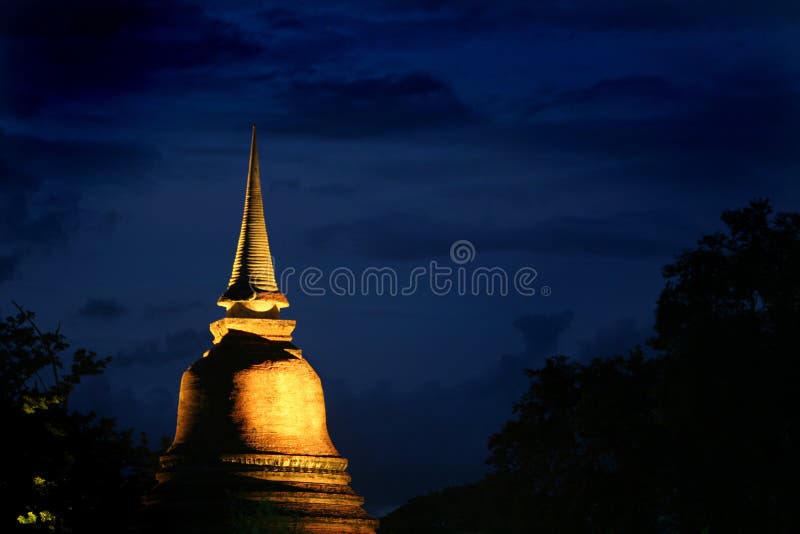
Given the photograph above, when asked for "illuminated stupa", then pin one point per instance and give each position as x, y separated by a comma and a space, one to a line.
251, 447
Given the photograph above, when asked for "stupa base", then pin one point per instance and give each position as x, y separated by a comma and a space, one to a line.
244, 492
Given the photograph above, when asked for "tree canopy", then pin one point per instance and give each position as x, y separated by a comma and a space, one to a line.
699, 435
64, 471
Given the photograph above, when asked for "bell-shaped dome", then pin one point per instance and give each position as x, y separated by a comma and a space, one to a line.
251, 395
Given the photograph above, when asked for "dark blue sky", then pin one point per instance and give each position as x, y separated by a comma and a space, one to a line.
590, 140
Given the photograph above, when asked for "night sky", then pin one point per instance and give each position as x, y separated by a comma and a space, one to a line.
588, 140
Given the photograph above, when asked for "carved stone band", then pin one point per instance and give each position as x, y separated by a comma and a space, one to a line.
274, 462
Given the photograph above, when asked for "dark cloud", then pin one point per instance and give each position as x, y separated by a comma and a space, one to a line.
43, 180
636, 90
739, 116
730, 130
184, 345
632, 16
370, 106
27, 161
282, 19
668, 15
611, 15
102, 309
397, 236
542, 331
433, 436
618, 338
174, 309
8, 267
29, 222
37, 223
91, 48
414, 236
313, 40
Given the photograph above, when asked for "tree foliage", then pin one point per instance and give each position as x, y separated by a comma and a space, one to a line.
727, 328
699, 436
64, 471
584, 446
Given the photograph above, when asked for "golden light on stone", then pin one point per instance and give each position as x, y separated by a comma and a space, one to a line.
251, 414
281, 408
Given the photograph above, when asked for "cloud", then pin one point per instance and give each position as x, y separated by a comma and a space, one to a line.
173, 309
30, 218
542, 331
618, 338
632, 94
26, 161
32, 222
43, 181
734, 130
610, 15
8, 266
744, 115
89, 49
282, 19
103, 309
388, 237
370, 106
414, 236
184, 345
35, 221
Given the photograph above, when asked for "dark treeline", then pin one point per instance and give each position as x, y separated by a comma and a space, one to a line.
699, 435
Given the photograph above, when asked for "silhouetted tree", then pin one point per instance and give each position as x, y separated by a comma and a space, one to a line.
585, 447
699, 437
63, 471
728, 329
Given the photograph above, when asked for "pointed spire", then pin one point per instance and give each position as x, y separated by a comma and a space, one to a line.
253, 273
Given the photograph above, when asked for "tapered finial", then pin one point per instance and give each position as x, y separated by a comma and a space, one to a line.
253, 276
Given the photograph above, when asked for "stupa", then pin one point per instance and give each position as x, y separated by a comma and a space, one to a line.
251, 450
